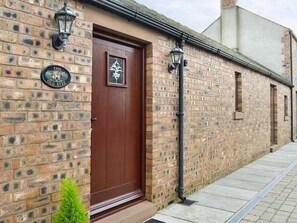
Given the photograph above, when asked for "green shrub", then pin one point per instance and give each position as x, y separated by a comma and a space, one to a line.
71, 209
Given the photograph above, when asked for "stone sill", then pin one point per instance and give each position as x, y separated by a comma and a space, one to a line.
238, 115
274, 148
134, 214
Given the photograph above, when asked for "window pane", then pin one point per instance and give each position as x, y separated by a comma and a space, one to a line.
238, 92
116, 70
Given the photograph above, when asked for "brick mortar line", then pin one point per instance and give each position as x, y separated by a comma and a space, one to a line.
252, 203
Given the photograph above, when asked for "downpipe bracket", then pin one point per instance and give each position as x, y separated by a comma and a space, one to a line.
179, 113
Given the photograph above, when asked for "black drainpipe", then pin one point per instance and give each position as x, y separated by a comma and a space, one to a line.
291, 88
181, 196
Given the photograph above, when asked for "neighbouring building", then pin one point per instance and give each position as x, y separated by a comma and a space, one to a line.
260, 39
114, 129
254, 36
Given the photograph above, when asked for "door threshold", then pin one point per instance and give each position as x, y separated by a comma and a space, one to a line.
134, 214
115, 202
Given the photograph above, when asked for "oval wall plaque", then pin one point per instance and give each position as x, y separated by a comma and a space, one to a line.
55, 76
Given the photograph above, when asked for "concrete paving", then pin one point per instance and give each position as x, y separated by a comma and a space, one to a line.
263, 191
279, 205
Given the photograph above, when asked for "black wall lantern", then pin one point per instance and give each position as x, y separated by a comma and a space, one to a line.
65, 18
176, 58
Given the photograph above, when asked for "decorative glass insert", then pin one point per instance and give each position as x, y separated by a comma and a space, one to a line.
116, 70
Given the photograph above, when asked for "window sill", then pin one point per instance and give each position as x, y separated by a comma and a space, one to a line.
273, 148
238, 115
286, 118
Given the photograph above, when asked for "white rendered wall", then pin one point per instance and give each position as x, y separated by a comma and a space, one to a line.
214, 31
229, 27
261, 40
256, 37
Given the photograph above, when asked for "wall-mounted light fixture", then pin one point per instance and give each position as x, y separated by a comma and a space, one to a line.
65, 18
176, 57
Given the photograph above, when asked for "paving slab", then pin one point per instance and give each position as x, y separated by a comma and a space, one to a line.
226, 191
275, 159
289, 147
170, 219
284, 154
217, 201
196, 213
250, 177
257, 172
270, 163
241, 184
265, 167
289, 151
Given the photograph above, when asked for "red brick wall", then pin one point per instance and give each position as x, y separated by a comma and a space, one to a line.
228, 4
44, 132
286, 55
215, 143
294, 56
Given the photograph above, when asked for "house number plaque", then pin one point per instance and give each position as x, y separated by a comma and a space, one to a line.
55, 76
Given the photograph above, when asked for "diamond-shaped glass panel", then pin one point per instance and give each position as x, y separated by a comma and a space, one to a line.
116, 70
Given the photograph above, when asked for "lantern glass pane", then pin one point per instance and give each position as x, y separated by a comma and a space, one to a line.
172, 57
69, 20
176, 58
62, 24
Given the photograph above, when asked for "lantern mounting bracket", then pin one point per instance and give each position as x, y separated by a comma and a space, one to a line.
57, 42
171, 67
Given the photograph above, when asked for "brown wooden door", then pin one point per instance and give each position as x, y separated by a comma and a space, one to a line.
116, 160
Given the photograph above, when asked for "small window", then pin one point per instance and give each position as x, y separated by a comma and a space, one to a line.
286, 110
238, 92
116, 71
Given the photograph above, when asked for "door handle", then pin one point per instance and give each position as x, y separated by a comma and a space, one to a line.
93, 119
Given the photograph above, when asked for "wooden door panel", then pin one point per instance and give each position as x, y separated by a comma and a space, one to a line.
116, 159
99, 126
115, 140
134, 125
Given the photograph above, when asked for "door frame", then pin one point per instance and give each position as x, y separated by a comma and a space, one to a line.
273, 115
101, 212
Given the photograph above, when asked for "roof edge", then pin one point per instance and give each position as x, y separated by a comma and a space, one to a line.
262, 17
162, 27
293, 35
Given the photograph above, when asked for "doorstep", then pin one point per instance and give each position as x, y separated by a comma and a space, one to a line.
134, 214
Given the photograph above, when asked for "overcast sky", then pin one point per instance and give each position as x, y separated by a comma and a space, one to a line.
198, 14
